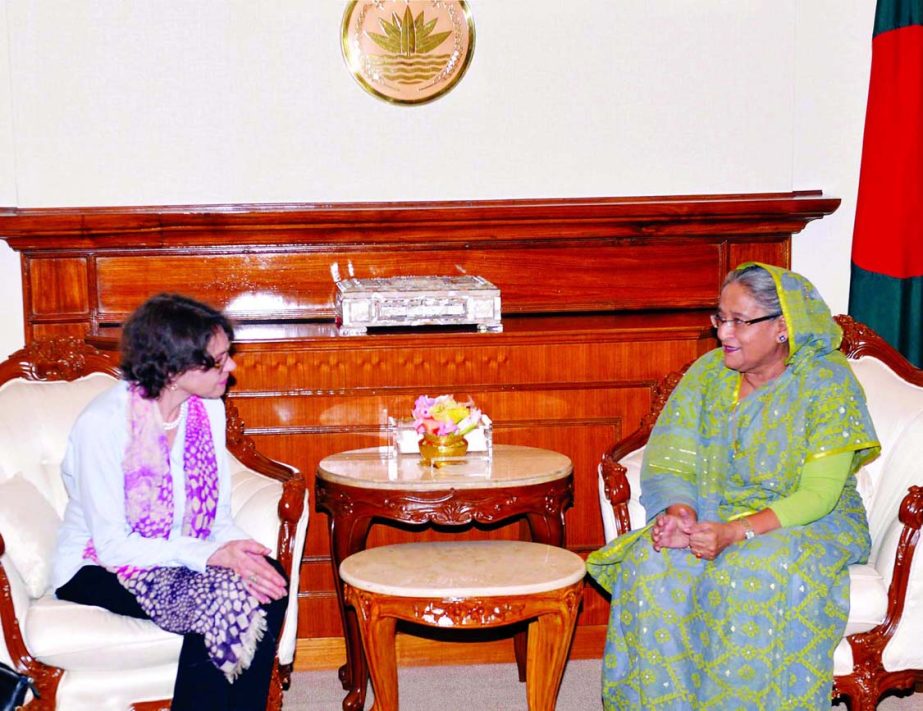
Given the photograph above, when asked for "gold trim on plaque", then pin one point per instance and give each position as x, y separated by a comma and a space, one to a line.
407, 51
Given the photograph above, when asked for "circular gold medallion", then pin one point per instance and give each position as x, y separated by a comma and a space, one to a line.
407, 51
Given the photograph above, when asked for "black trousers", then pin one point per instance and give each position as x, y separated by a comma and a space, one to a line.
200, 686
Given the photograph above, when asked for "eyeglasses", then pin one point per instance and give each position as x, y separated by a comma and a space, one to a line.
718, 322
220, 361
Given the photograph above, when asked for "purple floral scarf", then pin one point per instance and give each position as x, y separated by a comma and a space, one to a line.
215, 603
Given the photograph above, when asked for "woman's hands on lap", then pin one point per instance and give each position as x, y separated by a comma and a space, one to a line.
673, 526
707, 539
246, 558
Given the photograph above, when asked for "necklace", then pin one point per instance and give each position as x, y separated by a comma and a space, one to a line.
173, 424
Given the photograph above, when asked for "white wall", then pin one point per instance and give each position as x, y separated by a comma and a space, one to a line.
11, 326
832, 58
132, 102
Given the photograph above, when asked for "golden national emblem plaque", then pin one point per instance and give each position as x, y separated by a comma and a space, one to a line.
407, 51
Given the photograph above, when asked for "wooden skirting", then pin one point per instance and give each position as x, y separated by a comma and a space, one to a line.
329, 653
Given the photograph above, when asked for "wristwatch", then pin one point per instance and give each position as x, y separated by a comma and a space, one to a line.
748, 529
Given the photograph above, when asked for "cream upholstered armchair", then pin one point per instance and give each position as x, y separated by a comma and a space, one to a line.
84, 657
881, 649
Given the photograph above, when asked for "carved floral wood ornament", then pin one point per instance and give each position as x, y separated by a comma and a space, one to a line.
407, 51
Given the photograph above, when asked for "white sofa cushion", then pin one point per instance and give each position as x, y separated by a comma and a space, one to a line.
114, 690
842, 658
83, 637
50, 409
254, 504
896, 407
29, 526
868, 599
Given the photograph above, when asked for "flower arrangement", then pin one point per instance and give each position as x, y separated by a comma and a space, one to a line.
443, 416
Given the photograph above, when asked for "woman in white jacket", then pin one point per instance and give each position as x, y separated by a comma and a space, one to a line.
148, 532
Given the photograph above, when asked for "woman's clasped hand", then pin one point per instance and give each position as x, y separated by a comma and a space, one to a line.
247, 558
679, 528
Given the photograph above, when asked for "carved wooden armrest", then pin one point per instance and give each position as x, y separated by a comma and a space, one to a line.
867, 646
291, 504
911, 515
614, 475
291, 509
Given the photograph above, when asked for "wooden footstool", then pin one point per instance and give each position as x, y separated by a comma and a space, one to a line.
467, 584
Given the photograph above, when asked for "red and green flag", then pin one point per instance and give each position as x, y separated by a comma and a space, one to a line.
886, 291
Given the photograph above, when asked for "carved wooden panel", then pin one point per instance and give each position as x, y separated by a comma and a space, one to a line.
59, 287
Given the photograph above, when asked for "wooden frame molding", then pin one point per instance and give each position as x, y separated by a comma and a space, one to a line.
87, 267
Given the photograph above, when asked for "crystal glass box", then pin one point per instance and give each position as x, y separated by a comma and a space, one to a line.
417, 301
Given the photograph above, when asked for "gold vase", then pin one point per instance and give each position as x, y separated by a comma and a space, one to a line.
434, 449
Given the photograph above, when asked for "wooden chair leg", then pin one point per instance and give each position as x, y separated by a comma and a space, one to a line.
274, 700
378, 637
549, 639
521, 650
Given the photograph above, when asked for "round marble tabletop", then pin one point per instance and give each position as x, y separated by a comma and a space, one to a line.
462, 569
381, 468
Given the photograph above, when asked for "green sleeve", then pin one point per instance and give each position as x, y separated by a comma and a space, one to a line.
818, 491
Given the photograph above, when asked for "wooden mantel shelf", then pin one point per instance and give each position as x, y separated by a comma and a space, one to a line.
601, 297
373, 223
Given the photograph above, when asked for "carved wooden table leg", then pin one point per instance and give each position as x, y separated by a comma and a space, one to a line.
379, 638
549, 639
354, 675
348, 533
546, 527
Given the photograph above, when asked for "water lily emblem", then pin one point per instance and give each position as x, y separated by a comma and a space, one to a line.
408, 36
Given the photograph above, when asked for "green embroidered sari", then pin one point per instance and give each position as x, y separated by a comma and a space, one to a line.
756, 627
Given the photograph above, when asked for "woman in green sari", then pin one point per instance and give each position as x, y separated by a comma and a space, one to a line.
736, 593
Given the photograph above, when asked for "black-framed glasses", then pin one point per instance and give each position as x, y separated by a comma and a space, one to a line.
718, 322
219, 362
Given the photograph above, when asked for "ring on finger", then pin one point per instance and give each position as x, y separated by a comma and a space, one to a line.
251, 578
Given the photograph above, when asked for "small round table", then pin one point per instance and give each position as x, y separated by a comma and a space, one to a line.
467, 585
356, 487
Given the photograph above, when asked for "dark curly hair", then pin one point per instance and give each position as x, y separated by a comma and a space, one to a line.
166, 336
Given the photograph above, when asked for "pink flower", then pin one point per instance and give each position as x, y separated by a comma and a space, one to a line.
442, 415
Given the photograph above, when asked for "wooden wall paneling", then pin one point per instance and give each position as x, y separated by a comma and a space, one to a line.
532, 279
59, 287
776, 250
601, 298
44, 331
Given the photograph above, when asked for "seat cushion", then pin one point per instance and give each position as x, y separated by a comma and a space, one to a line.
114, 690
868, 599
82, 637
35, 420
30, 527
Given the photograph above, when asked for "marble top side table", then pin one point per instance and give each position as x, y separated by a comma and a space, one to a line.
357, 487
